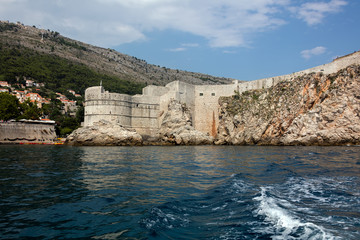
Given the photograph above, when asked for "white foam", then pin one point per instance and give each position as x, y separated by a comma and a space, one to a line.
284, 224
313, 189
220, 208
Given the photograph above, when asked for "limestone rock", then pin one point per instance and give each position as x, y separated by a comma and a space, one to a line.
104, 133
176, 127
315, 109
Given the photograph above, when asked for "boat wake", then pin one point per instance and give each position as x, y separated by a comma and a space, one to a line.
313, 208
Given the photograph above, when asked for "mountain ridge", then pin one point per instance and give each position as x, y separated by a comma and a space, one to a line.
102, 60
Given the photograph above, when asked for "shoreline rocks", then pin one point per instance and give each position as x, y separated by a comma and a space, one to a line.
104, 133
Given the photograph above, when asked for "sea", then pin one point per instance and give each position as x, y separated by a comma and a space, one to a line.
179, 192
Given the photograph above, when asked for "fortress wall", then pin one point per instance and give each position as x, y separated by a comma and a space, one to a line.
101, 105
27, 132
328, 68
186, 94
180, 91
206, 114
260, 84
145, 112
152, 90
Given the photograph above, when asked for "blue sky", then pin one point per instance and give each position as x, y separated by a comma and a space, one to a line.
241, 39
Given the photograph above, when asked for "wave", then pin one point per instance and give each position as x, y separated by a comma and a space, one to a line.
283, 224
299, 208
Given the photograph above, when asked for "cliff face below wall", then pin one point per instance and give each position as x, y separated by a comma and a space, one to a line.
176, 127
314, 109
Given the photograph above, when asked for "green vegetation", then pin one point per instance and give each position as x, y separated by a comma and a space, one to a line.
8, 27
29, 110
56, 73
55, 36
11, 108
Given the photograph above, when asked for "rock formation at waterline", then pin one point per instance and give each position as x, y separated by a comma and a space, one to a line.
104, 133
176, 127
315, 109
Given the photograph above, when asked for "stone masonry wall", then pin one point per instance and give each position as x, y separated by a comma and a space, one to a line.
144, 113
27, 132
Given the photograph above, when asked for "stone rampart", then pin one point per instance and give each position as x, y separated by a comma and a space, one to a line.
139, 112
328, 68
144, 113
206, 114
27, 132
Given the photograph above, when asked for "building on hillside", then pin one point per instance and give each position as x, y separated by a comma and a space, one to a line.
32, 83
4, 84
69, 106
21, 95
39, 84
61, 96
4, 90
35, 98
29, 83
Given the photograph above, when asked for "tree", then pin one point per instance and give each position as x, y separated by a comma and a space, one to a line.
9, 107
30, 111
68, 125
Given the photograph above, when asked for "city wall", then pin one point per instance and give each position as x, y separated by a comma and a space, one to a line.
27, 132
144, 113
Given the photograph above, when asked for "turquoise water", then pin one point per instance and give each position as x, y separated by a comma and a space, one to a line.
193, 192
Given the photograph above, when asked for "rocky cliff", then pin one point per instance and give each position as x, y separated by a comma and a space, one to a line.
104, 133
176, 127
314, 109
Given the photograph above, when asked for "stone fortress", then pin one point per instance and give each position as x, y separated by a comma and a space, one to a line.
144, 113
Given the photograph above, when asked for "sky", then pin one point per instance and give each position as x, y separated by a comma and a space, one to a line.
240, 39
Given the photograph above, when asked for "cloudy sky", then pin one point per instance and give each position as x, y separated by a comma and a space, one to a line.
241, 39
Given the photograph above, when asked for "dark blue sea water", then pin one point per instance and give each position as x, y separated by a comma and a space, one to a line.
194, 192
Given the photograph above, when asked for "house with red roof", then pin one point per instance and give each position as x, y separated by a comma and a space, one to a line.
35, 97
4, 84
4, 90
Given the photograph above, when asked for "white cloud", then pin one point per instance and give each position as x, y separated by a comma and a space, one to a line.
107, 23
181, 49
314, 12
184, 47
113, 22
313, 52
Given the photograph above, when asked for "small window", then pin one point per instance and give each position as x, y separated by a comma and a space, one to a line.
213, 94
201, 94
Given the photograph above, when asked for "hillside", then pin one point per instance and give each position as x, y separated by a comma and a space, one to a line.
100, 60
